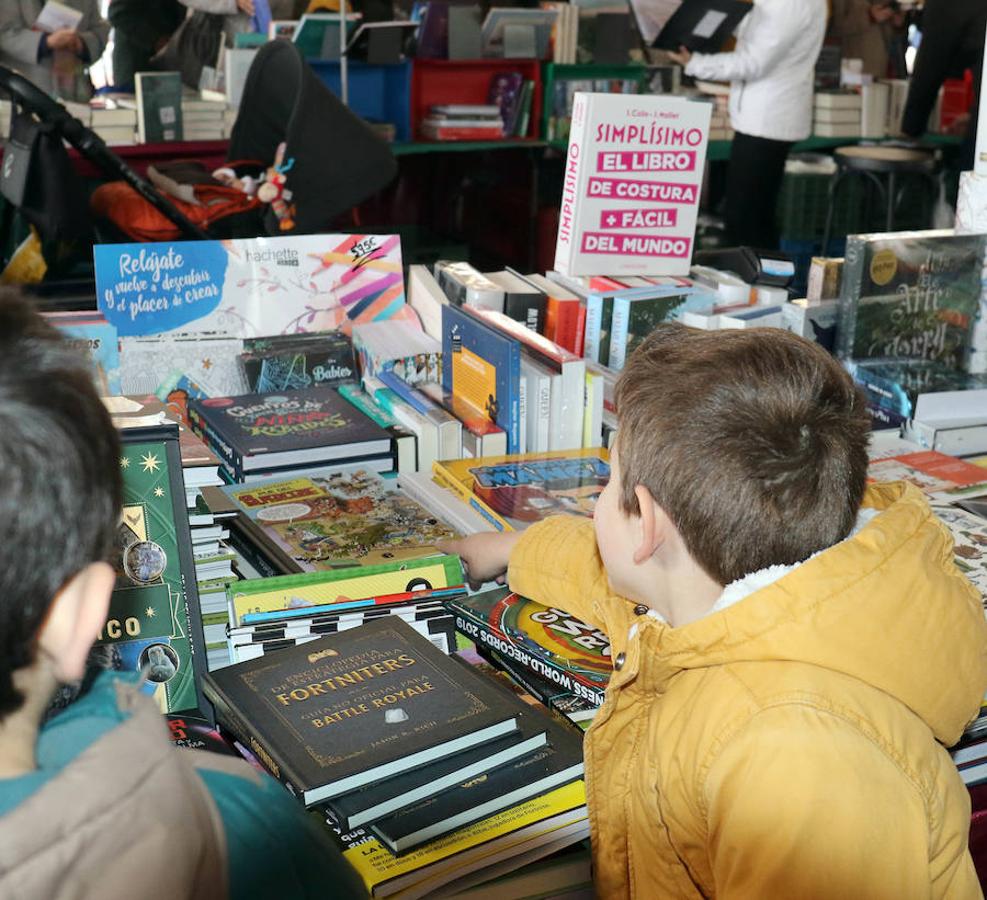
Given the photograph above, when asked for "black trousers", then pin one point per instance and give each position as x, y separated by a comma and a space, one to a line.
757, 167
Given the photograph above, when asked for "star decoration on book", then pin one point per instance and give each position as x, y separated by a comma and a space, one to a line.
124, 462
149, 612
207, 364
150, 462
159, 492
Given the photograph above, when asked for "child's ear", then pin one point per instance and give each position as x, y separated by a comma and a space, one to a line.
651, 528
77, 615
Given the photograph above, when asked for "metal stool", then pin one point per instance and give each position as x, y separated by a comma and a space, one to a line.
883, 166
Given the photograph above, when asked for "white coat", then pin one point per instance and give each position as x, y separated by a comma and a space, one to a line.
771, 71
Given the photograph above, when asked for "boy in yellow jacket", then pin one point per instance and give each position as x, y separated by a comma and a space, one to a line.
792, 649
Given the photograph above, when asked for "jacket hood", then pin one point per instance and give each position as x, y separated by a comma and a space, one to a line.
887, 607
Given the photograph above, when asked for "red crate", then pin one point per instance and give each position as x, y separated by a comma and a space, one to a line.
438, 81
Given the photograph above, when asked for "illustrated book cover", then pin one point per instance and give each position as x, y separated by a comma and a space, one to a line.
539, 638
515, 490
154, 624
295, 361
483, 366
256, 432
335, 714
346, 518
250, 287
630, 194
910, 296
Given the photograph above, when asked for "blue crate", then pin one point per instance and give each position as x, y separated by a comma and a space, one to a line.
376, 92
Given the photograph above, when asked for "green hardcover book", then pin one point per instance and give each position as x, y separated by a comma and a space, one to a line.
159, 107
154, 624
336, 714
910, 296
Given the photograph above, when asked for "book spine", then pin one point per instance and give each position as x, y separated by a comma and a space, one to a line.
580, 337
528, 309
222, 449
412, 396
451, 483
514, 396
483, 634
523, 415
544, 413
853, 274
618, 332
606, 328
566, 247
234, 725
594, 318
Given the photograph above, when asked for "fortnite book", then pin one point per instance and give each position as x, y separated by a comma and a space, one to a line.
257, 432
556, 763
333, 715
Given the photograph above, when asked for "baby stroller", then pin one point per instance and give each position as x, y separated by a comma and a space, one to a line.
330, 161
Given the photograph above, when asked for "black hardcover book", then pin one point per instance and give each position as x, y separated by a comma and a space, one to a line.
558, 762
702, 26
335, 714
256, 432
292, 362
392, 794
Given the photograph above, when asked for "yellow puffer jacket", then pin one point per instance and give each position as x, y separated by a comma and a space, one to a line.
790, 745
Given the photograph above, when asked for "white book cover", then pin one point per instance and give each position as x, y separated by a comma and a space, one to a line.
630, 196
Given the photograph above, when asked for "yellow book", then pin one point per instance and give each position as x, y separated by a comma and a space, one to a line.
383, 872
514, 490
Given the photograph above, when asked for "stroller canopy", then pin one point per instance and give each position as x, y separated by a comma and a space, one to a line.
336, 161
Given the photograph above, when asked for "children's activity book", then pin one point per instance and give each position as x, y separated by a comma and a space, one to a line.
633, 176
245, 288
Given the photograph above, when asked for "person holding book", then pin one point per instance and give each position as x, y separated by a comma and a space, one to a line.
55, 61
771, 72
96, 801
792, 649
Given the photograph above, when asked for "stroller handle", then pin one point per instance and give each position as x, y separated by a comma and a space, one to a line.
30, 97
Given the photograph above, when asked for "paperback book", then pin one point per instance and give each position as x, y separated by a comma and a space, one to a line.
513, 491
333, 715
482, 366
630, 195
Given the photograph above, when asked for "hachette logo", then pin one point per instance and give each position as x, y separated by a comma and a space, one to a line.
282, 257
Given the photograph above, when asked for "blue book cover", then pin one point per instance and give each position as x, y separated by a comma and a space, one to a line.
99, 340
482, 366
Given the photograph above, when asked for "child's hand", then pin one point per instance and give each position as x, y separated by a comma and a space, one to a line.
485, 556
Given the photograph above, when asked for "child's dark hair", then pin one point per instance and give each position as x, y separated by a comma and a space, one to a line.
754, 442
60, 463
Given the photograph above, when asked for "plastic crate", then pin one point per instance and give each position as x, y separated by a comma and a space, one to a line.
436, 82
552, 73
378, 93
804, 202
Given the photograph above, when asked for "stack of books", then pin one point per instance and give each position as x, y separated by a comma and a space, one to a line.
202, 120
115, 121
837, 114
275, 433
405, 751
269, 614
463, 122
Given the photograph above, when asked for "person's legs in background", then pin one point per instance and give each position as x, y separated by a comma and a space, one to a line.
757, 167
